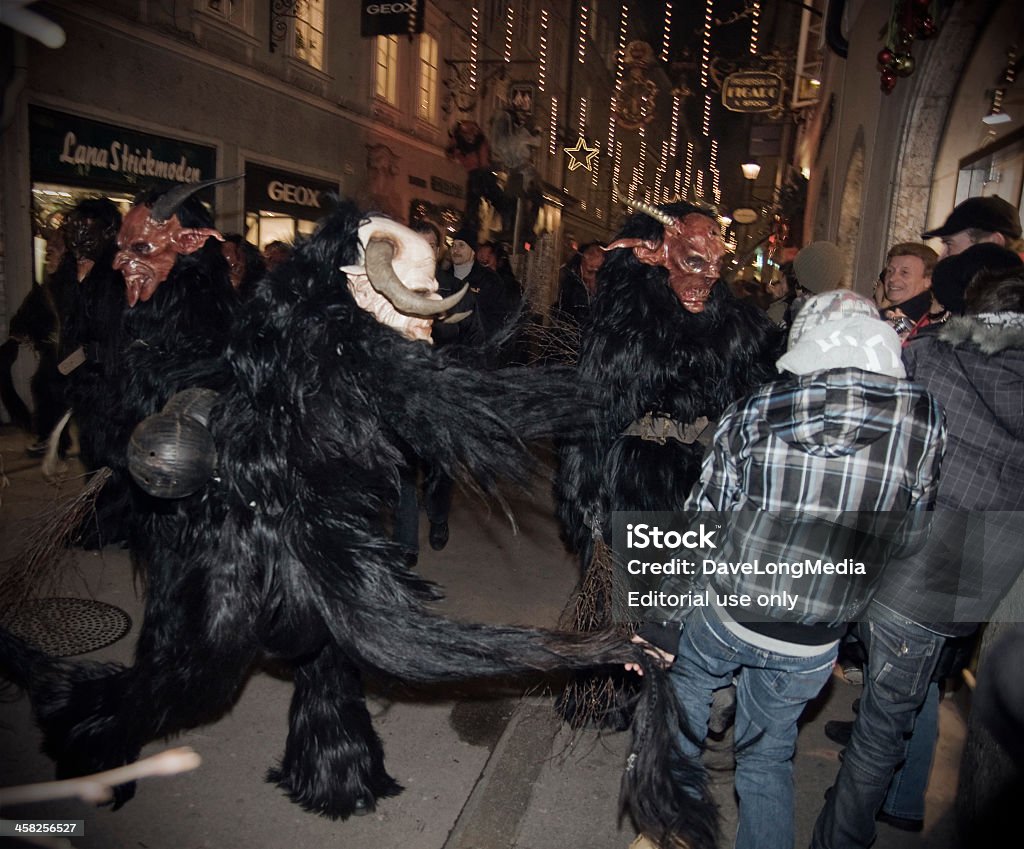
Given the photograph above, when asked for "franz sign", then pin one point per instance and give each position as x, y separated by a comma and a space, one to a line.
752, 91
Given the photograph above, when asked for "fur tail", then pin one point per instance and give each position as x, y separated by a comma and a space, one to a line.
663, 791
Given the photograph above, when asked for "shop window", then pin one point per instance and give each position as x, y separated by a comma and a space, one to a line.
427, 107
263, 227
308, 33
385, 78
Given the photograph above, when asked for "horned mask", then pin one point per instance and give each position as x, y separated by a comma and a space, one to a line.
395, 280
152, 238
691, 249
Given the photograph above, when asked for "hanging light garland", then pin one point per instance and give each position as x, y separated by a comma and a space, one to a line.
542, 69
509, 21
553, 128
474, 46
620, 58
581, 42
755, 26
666, 33
909, 19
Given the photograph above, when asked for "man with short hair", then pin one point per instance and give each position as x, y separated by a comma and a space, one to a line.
908, 283
981, 219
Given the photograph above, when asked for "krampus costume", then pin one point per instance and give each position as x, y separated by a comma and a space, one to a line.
281, 551
131, 341
669, 349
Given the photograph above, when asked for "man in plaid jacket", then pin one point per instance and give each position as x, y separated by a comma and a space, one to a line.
844, 433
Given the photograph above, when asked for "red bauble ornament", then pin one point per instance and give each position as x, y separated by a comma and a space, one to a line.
888, 80
885, 58
927, 28
922, 4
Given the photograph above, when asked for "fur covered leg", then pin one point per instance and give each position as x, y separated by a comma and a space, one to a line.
193, 653
333, 762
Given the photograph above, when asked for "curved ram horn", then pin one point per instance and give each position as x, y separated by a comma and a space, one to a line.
646, 208
168, 204
381, 274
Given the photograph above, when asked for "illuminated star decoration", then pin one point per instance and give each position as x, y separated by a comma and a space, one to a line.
581, 156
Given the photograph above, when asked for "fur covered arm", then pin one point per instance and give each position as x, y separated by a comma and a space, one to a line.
476, 424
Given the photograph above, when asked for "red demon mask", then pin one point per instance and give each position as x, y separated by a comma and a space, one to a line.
691, 250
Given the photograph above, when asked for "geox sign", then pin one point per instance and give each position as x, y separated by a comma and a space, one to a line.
752, 91
399, 17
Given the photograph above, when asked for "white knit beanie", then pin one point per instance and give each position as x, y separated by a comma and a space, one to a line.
841, 329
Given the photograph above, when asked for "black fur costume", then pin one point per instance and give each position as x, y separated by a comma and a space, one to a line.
136, 359
283, 554
647, 354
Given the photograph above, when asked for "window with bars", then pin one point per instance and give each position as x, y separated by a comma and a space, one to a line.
427, 105
385, 78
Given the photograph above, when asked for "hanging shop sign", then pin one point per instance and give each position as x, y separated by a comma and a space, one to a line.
392, 18
71, 150
282, 191
752, 91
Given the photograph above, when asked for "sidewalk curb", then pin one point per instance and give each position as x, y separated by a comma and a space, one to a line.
500, 799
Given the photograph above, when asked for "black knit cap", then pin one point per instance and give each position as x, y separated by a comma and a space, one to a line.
465, 234
991, 214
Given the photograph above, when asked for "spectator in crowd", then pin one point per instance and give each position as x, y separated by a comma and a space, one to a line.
437, 486
908, 283
818, 267
494, 257
971, 365
245, 263
977, 220
577, 285
781, 289
494, 306
842, 431
37, 322
276, 252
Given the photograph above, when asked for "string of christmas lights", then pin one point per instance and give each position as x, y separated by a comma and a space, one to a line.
474, 46
542, 69
509, 20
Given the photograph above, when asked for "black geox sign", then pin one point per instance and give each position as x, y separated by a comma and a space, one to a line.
399, 17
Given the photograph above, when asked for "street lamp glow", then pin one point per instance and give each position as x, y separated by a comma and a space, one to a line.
750, 170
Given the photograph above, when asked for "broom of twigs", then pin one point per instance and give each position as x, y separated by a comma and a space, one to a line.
588, 698
557, 342
35, 569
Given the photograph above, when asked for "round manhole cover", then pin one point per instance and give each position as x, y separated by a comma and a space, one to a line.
68, 626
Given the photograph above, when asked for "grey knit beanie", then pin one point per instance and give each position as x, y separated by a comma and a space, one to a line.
819, 267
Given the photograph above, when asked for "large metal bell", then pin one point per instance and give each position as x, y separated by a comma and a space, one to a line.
171, 455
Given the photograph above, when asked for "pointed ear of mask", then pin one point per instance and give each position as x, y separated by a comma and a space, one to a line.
192, 239
648, 252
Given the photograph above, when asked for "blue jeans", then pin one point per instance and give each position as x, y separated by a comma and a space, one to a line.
907, 790
771, 693
902, 656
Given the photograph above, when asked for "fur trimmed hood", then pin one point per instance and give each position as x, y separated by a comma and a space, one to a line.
975, 366
993, 333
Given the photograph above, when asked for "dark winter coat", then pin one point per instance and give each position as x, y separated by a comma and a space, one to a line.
974, 366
